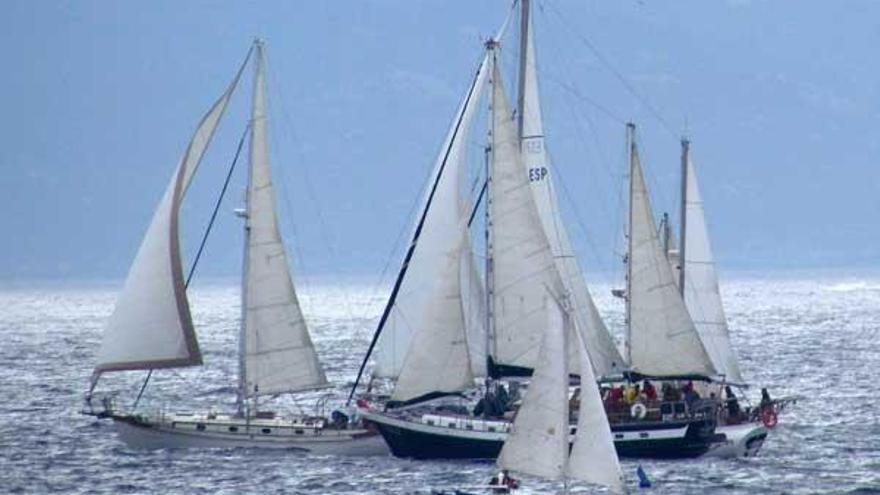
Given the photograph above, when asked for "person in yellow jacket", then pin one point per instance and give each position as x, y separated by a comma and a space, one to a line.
631, 393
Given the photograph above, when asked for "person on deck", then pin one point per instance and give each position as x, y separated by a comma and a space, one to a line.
631, 393
690, 395
649, 391
733, 410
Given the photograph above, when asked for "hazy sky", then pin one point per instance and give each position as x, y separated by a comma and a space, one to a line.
780, 98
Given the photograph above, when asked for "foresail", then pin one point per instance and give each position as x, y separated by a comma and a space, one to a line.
151, 326
604, 354
522, 262
593, 457
538, 440
663, 339
279, 354
702, 295
424, 340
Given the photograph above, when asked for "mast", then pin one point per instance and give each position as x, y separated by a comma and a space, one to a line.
631, 142
523, 52
682, 245
490, 264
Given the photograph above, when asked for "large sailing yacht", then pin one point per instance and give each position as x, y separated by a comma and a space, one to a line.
151, 327
430, 342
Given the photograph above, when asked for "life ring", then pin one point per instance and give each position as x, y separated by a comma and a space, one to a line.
638, 410
769, 417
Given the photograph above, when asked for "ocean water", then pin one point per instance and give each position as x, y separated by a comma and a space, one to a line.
811, 335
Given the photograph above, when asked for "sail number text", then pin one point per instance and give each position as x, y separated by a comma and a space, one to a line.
537, 174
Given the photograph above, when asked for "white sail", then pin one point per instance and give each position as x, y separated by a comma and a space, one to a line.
539, 437
151, 326
424, 340
663, 340
278, 353
473, 299
604, 355
522, 262
593, 457
702, 295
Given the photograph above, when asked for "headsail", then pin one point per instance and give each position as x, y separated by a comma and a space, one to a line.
278, 352
603, 351
702, 295
424, 339
522, 262
663, 340
151, 326
539, 437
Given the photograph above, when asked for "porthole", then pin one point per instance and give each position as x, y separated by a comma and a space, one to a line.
233, 429
298, 431
200, 426
266, 431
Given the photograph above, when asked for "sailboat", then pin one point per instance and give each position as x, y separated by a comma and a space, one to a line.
432, 411
151, 327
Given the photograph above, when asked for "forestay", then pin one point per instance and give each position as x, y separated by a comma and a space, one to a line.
663, 340
151, 326
522, 262
424, 340
702, 295
278, 352
603, 351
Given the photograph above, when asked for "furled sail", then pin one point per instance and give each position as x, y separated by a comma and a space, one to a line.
278, 352
151, 326
522, 262
663, 340
424, 339
539, 437
702, 295
603, 351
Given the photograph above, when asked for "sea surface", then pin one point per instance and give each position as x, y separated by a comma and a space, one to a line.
814, 335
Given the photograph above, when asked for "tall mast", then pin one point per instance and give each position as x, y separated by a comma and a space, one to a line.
246, 214
682, 245
490, 264
631, 142
523, 60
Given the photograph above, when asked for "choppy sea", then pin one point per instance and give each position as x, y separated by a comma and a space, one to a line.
812, 335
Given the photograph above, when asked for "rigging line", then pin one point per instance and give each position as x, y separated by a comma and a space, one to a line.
412, 246
626, 84
477, 203
192, 269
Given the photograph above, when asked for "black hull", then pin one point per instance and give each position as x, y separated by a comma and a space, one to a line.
409, 443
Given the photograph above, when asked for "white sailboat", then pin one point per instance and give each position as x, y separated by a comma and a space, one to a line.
539, 442
151, 327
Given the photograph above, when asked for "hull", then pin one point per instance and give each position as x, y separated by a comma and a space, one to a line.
196, 432
440, 437
743, 440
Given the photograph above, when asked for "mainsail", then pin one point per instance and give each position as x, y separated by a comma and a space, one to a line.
604, 354
424, 338
522, 262
662, 338
278, 352
701, 293
151, 326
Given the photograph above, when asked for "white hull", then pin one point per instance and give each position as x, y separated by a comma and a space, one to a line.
143, 433
743, 440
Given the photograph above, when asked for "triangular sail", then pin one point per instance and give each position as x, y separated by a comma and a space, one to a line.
663, 340
278, 352
603, 351
151, 326
522, 262
593, 457
424, 340
702, 295
539, 437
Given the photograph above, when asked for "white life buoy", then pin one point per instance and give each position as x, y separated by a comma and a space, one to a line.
638, 410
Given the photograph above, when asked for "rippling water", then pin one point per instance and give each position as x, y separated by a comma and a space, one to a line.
814, 336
